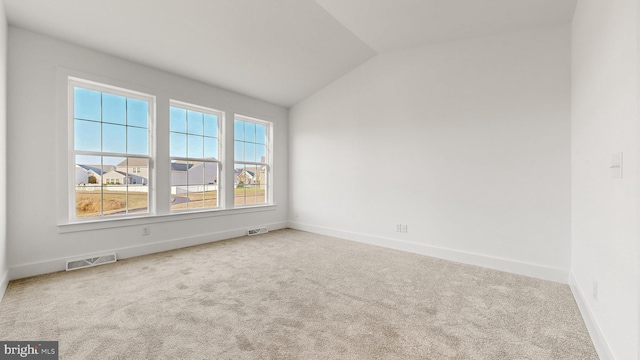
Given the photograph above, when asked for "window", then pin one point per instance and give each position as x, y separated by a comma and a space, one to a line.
111, 137
252, 166
195, 165
112, 155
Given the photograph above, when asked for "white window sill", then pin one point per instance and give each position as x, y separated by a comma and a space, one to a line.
154, 219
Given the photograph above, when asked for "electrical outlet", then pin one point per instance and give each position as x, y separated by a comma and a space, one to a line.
146, 230
595, 290
404, 228
398, 227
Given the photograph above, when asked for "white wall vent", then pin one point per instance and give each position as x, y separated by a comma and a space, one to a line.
257, 231
89, 262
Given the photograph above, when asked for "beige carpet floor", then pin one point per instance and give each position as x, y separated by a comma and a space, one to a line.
294, 295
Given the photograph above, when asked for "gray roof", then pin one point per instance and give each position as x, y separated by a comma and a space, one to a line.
180, 166
95, 168
239, 171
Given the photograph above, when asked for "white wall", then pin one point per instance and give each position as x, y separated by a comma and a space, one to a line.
468, 143
37, 140
604, 209
4, 266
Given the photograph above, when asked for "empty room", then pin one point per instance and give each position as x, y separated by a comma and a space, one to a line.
319, 179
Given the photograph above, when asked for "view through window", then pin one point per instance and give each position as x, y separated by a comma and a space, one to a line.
251, 155
112, 159
195, 144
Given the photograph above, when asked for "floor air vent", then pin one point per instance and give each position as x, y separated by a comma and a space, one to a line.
257, 231
89, 262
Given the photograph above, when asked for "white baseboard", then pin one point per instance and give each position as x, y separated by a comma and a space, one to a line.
598, 339
4, 282
511, 266
55, 265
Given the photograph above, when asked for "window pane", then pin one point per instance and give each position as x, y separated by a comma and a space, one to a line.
114, 189
211, 173
178, 198
211, 196
138, 185
114, 200
179, 193
194, 121
179, 172
195, 146
178, 145
138, 199
195, 174
111, 165
261, 196
210, 148
261, 134
137, 141
86, 135
238, 151
86, 104
88, 194
261, 175
196, 200
137, 113
178, 120
261, 153
239, 198
210, 125
249, 152
113, 138
238, 130
249, 132
114, 109
210, 185
138, 171
240, 184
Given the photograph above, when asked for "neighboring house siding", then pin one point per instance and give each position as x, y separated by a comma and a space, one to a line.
122, 178
193, 178
209, 172
82, 175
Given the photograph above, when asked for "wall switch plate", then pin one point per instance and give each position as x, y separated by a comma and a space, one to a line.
398, 227
616, 165
404, 228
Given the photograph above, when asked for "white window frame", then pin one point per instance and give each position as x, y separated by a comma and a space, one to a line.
268, 163
73, 82
219, 161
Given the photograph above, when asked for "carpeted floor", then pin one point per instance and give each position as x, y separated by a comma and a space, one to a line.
294, 295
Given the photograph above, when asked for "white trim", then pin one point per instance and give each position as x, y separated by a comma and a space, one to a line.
4, 282
55, 265
597, 337
511, 266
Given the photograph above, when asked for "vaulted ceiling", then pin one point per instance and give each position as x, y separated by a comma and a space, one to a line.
280, 51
